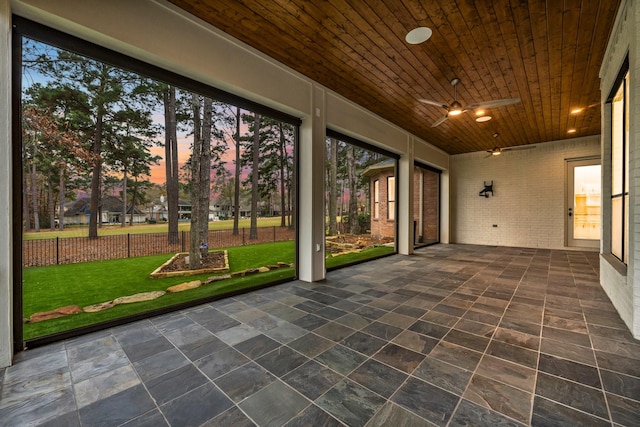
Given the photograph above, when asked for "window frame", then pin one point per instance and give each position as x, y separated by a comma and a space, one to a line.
376, 199
619, 161
25, 28
391, 203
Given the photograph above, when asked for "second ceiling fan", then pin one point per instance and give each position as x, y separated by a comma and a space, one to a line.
456, 108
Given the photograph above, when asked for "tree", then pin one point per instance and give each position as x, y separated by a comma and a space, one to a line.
253, 231
352, 180
92, 92
332, 174
171, 159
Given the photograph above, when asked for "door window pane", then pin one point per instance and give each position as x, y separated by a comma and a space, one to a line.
586, 202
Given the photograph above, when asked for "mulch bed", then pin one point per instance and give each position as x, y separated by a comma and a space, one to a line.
211, 260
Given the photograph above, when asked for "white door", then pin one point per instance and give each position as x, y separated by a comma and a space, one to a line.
583, 203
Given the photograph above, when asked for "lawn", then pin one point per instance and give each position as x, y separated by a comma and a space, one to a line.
108, 230
47, 288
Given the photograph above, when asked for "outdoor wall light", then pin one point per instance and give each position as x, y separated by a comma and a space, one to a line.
488, 188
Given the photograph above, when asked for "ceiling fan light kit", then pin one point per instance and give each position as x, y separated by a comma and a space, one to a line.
456, 108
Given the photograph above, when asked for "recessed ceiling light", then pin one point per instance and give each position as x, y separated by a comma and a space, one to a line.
480, 112
418, 35
571, 131
577, 110
483, 119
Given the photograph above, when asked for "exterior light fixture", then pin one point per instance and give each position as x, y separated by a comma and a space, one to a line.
483, 119
571, 131
577, 110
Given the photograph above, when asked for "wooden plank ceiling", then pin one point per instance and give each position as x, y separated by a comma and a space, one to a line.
547, 53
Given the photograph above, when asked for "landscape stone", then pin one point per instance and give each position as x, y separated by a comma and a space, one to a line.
98, 307
144, 296
54, 314
215, 279
185, 286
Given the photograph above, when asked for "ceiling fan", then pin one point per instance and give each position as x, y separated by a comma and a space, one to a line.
496, 151
456, 108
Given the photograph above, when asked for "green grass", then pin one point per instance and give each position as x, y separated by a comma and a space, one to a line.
350, 258
46, 288
108, 230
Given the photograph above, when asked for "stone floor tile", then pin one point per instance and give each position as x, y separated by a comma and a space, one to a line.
576, 395
118, 408
443, 375
378, 377
350, 403
175, 383
105, 385
499, 397
221, 362
312, 379
427, 401
40, 409
274, 405
313, 416
341, 359
549, 413
196, 407
470, 414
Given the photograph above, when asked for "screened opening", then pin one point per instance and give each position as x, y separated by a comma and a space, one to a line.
141, 192
361, 206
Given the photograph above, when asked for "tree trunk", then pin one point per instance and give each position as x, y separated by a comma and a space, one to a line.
25, 200
34, 196
283, 154
61, 194
293, 200
123, 219
333, 187
353, 196
133, 202
236, 194
52, 206
171, 162
253, 232
196, 157
94, 204
205, 172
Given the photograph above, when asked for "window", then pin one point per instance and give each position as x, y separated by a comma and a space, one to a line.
391, 197
356, 225
376, 199
620, 170
117, 161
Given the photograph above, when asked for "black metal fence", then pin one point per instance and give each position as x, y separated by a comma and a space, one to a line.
69, 250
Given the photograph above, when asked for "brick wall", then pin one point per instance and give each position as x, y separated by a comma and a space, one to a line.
620, 285
382, 226
428, 228
528, 204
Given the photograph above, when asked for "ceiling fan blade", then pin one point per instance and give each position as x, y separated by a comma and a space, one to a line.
440, 121
524, 147
493, 104
436, 103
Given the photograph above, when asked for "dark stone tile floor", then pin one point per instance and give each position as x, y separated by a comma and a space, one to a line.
455, 335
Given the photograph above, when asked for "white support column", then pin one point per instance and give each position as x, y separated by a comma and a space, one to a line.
311, 191
445, 201
6, 240
405, 201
